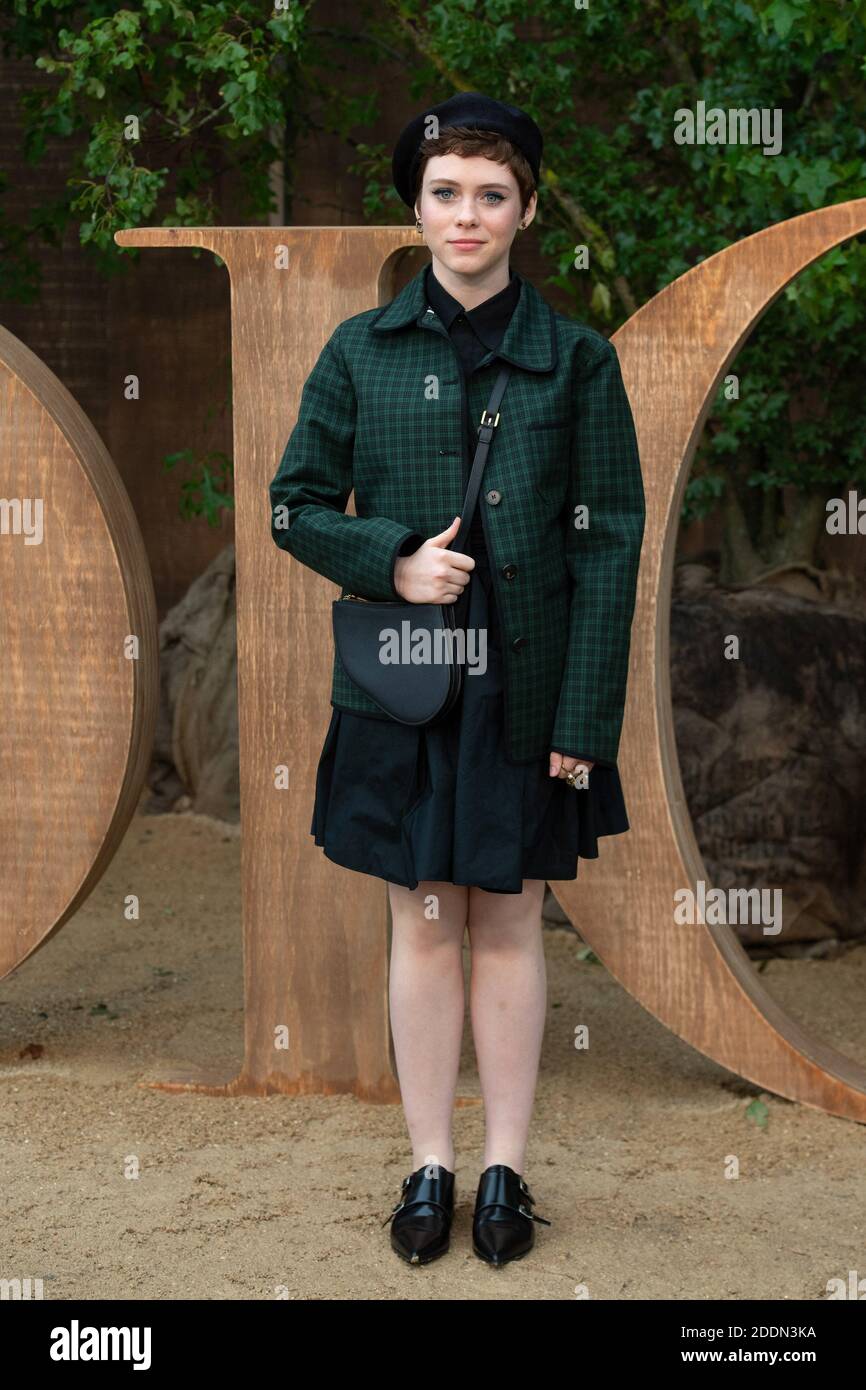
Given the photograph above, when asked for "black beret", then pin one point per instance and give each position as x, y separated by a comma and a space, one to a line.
468, 109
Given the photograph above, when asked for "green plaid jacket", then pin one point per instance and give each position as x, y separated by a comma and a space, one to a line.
562, 499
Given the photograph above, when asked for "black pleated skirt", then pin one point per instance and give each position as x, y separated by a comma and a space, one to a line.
441, 803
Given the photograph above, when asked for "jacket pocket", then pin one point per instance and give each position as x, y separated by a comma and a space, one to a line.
547, 445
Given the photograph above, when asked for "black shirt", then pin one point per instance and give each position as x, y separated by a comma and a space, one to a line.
474, 333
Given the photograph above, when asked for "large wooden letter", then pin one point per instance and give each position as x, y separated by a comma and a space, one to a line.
78, 655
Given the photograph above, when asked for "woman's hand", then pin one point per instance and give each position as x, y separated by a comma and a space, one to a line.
434, 574
560, 764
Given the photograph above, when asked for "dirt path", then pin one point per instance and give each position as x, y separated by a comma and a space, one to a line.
236, 1198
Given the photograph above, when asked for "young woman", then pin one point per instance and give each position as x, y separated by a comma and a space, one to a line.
466, 818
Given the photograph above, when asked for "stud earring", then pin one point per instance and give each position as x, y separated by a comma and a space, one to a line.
418, 224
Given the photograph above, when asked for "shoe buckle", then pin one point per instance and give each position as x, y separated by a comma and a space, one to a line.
523, 1211
393, 1213
400, 1204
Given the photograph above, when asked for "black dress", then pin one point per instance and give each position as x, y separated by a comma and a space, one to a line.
441, 802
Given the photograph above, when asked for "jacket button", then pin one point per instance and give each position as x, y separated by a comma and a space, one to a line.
509, 571
493, 497
519, 642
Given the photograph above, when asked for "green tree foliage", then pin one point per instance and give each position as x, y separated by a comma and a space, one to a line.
157, 101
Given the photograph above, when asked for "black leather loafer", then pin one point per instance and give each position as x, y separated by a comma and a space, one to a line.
421, 1220
502, 1227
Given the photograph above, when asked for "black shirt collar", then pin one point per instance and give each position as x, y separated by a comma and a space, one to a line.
488, 320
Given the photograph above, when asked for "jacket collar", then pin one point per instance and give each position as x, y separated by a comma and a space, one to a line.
529, 340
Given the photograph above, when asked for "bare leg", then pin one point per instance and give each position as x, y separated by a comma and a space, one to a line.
427, 1008
507, 1002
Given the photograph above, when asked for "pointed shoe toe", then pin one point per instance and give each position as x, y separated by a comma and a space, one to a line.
503, 1225
421, 1220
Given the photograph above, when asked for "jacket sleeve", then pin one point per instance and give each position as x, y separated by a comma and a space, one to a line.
311, 488
583, 757
602, 560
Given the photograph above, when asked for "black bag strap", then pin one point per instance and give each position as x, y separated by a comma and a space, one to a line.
489, 422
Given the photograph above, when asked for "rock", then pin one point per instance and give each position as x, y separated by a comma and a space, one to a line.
195, 758
772, 748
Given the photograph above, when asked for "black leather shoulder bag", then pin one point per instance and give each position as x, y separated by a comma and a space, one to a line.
424, 691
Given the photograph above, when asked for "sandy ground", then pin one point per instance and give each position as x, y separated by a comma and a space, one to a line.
238, 1197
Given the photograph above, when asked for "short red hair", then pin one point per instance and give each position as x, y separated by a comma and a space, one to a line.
467, 141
